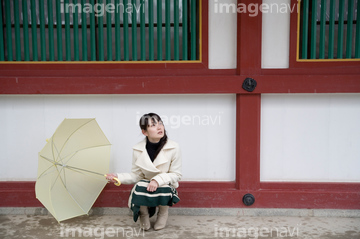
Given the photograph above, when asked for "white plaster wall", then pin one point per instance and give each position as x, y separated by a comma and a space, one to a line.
310, 137
276, 33
203, 125
222, 35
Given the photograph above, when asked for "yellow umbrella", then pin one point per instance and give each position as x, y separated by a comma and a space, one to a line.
71, 168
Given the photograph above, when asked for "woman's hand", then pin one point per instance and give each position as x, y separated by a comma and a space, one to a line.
153, 185
110, 177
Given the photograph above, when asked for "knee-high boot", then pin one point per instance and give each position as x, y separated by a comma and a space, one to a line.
144, 218
161, 218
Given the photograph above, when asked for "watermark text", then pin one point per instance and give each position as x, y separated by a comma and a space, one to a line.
101, 232
101, 8
253, 9
176, 121
256, 232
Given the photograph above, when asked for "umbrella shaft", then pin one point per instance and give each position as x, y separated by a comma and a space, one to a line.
70, 167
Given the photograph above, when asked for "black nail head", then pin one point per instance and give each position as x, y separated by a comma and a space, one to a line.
248, 199
249, 84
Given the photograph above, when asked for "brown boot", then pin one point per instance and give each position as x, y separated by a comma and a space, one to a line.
144, 218
161, 218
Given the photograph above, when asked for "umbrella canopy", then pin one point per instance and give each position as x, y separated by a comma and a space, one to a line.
71, 168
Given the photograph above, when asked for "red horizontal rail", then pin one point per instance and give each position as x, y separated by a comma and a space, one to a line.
214, 194
180, 84
303, 186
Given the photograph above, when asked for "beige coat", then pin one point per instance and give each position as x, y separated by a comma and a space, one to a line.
166, 168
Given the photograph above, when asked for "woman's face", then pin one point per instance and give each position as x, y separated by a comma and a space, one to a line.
155, 131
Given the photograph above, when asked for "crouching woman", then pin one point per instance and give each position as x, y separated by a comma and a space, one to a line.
156, 168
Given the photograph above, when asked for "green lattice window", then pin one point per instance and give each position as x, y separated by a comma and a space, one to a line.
329, 29
99, 30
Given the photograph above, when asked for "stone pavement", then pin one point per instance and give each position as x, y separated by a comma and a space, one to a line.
185, 223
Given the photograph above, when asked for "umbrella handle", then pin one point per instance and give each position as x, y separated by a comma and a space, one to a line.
118, 183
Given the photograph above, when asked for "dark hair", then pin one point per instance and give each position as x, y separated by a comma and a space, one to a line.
144, 123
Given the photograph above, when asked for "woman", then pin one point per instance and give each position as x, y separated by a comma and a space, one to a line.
156, 159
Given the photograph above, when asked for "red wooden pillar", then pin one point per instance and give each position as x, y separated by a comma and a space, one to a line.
248, 142
248, 104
